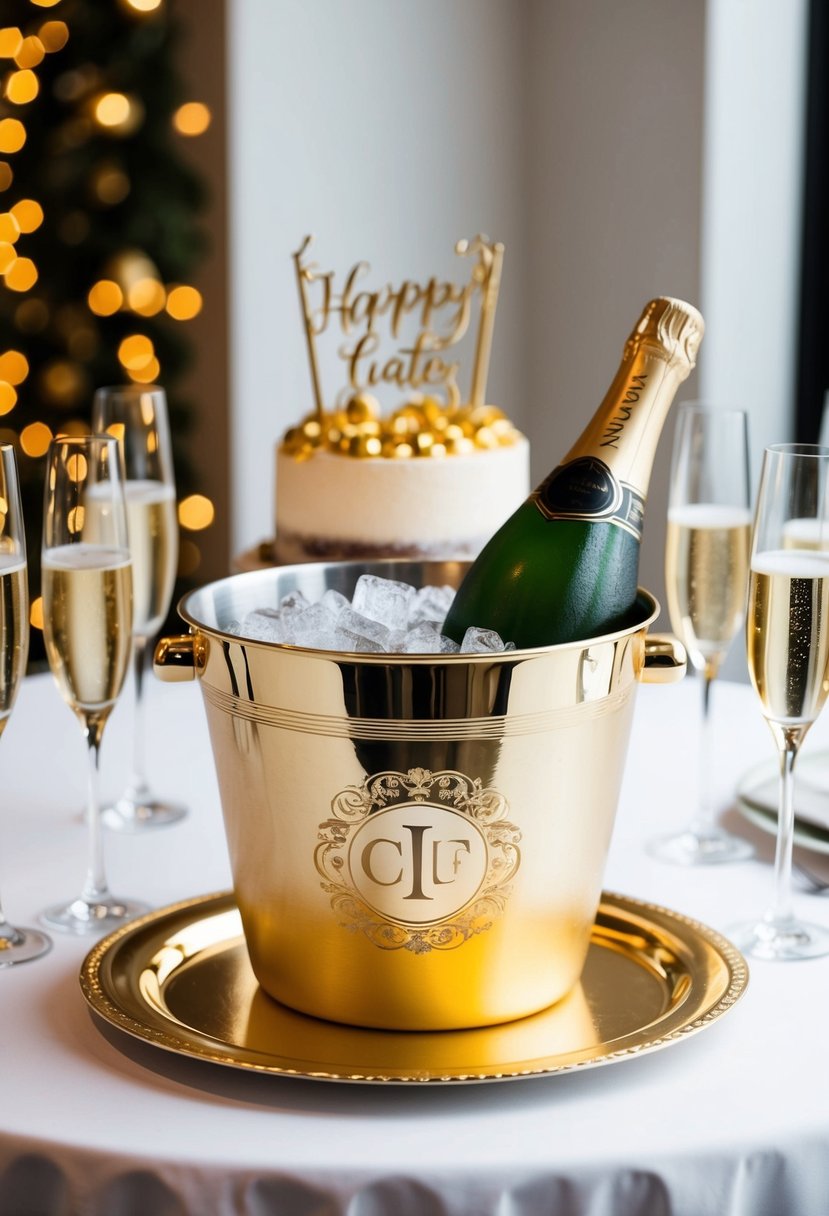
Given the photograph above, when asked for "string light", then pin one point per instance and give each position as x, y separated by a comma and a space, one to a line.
21, 275
136, 352
54, 35
196, 512
28, 214
146, 297
22, 87
12, 135
98, 110
11, 41
193, 118
147, 374
36, 613
35, 439
14, 367
30, 53
9, 228
184, 303
105, 298
117, 113
8, 397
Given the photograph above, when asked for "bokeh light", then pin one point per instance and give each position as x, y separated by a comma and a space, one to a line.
136, 352
196, 512
21, 275
184, 303
28, 215
22, 87
35, 439
105, 298
14, 367
12, 135
193, 118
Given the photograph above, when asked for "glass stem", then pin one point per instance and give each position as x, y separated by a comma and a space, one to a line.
95, 887
703, 822
781, 910
138, 784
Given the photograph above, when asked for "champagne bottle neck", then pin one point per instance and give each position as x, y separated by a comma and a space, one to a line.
605, 475
625, 430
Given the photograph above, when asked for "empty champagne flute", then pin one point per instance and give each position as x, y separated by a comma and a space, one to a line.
87, 615
787, 643
137, 416
17, 945
706, 575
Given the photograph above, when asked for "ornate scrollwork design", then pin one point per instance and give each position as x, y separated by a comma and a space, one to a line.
484, 806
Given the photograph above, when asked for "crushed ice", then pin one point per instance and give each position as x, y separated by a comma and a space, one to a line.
383, 617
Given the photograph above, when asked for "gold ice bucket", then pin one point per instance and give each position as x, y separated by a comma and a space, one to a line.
417, 842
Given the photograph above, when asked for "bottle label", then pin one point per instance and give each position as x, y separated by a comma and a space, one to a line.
585, 488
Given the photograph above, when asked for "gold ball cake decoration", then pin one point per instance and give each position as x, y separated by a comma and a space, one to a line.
422, 428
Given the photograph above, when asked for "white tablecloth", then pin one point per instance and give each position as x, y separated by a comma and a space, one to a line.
733, 1121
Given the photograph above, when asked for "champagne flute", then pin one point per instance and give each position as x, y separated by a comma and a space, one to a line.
87, 614
787, 642
706, 573
17, 945
137, 417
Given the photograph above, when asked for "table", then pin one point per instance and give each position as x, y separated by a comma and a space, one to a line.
734, 1120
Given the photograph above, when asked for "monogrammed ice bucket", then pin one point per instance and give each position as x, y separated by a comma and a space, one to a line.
417, 842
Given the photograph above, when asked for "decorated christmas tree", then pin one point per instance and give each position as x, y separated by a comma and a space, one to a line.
99, 230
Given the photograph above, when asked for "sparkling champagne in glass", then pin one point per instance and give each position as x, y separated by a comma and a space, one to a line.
706, 572
87, 615
137, 416
787, 643
17, 945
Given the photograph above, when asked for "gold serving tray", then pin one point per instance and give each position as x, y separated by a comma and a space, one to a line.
180, 978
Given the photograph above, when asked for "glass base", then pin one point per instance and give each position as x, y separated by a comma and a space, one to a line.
691, 848
781, 941
141, 814
20, 945
92, 916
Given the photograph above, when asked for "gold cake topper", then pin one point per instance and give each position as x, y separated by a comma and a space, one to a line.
433, 420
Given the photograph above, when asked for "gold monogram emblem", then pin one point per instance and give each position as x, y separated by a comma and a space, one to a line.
418, 860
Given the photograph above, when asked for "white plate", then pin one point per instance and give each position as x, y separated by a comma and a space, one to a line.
757, 794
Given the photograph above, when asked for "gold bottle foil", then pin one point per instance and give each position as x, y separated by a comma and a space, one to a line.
417, 842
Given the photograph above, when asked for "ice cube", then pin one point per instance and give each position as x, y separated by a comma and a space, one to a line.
430, 604
447, 646
481, 641
334, 601
361, 626
292, 604
263, 625
383, 599
344, 639
306, 624
423, 639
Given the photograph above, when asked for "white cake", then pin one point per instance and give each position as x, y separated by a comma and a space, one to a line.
429, 482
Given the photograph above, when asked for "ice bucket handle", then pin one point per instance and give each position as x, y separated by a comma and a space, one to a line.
665, 659
174, 659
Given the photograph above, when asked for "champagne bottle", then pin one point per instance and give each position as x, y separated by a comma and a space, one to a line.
565, 565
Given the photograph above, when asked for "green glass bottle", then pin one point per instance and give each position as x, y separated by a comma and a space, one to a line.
565, 565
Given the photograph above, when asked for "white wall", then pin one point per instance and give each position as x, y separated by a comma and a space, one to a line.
755, 81
389, 130
620, 150
615, 127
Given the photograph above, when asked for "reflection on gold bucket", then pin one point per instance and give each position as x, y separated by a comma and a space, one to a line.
417, 842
